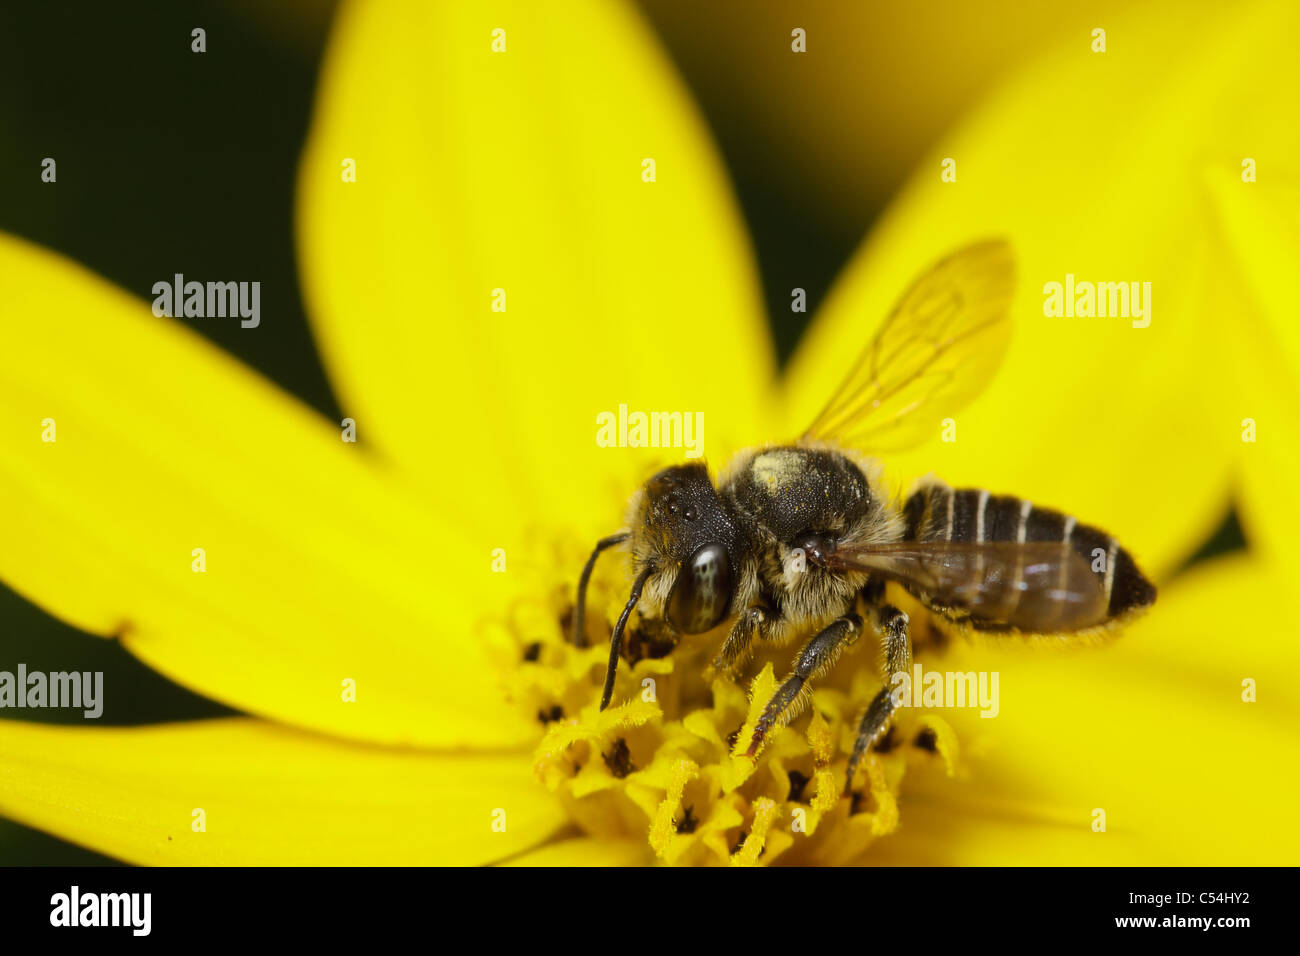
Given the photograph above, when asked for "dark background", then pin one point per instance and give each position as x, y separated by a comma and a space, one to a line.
170, 161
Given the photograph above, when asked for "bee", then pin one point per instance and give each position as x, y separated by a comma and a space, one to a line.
801, 539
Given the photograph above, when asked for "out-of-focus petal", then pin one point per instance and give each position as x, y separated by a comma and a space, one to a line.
269, 796
318, 569
1259, 382
845, 122
521, 171
585, 851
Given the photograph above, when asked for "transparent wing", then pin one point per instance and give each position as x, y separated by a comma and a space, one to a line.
935, 352
1036, 586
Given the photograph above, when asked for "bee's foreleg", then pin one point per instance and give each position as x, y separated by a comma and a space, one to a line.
757, 620
892, 624
616, 639
814, 660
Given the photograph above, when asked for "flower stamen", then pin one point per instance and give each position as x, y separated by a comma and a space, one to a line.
669, 761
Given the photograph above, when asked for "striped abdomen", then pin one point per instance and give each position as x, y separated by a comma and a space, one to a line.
940, 513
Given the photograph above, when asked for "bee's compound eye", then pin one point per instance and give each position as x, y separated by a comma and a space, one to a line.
702, 592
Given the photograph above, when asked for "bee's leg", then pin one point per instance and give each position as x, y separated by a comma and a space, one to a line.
892, 623
756, 621
814, 660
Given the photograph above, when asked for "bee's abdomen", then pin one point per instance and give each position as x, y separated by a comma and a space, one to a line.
940, 513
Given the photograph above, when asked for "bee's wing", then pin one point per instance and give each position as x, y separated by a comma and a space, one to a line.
934, 352
1036, 586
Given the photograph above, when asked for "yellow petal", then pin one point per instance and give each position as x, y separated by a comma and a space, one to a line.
1259, 242
317, 569
521, 171
585, 851
268, 796
1152, 730
875, 63
1088, 414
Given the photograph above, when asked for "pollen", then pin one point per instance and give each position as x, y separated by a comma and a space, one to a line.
665, 763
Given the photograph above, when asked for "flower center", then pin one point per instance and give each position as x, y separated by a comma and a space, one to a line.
664, 762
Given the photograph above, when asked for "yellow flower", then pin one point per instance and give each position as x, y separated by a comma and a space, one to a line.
521, 171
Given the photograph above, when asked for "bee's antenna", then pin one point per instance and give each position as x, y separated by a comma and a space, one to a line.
616, 641
580, 612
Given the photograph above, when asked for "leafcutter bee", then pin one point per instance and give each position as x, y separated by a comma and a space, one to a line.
800, 539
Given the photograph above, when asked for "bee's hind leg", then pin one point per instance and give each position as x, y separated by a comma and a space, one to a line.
814, 660
892, 623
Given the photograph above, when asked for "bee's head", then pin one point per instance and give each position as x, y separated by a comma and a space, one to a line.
681, 529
